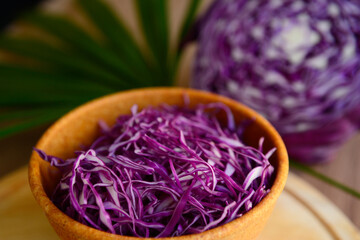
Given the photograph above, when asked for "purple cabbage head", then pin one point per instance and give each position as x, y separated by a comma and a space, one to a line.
295, 62
164, 172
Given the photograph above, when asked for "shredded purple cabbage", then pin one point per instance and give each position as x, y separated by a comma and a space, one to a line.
295, 62
163, 172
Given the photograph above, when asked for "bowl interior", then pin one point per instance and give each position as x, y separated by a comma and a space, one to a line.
80, 128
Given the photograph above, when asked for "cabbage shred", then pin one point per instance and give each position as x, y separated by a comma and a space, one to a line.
163, 172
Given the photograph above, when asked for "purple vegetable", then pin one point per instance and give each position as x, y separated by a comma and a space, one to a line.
295, 62
162, 172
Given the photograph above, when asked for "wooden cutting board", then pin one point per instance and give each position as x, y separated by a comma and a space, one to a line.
301, 213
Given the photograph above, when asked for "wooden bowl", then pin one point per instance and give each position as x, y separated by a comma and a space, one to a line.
79, 127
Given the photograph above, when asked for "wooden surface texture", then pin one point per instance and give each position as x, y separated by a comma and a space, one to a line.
300, 213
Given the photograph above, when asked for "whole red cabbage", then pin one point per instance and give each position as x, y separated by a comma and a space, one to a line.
163, 172
295, 62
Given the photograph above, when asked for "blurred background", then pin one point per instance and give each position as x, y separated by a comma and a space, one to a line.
39, 51
11, 9
10, 146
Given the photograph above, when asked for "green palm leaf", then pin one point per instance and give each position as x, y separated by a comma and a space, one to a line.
184, 30
187, 21
78, 66
61, 60
24, 86
153, 21
39, 119
18, 114
17, 77
81, 42
117, 36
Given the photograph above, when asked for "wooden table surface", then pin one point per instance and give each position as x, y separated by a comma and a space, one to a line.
345, 168
316, 217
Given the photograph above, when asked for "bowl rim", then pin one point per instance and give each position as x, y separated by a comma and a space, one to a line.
50, 209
